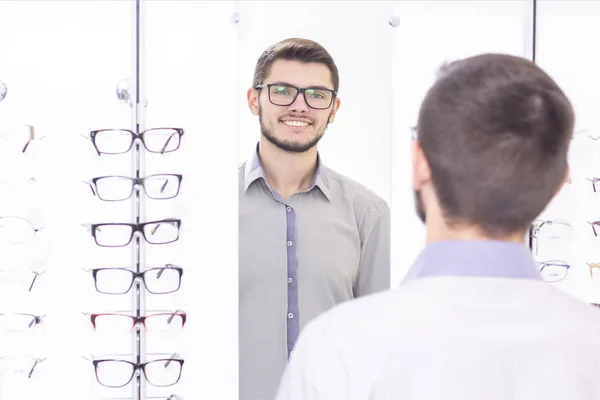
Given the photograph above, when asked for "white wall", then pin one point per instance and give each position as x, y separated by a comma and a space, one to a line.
61, 61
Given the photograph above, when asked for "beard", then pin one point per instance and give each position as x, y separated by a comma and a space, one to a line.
288, 145
419, 206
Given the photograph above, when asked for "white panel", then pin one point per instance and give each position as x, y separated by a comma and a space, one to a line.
189, 81
568, 36
358, 37
61, 61
430, 33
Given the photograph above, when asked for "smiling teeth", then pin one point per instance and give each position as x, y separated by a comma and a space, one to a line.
295, 123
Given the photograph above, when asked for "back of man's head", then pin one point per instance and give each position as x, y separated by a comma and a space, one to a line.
495, 130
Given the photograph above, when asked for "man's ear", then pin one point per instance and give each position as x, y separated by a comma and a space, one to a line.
420, 165
334, 110
566, 179
253, 101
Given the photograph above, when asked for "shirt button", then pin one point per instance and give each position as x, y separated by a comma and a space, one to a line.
290, 315
289, 209
289, 243
292, 353
289, 280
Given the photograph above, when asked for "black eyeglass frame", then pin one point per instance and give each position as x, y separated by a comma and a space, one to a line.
138, 366
298, 91
141, 276
136, 136
136, 228
134, 181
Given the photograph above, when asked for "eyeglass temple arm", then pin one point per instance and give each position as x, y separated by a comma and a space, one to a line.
37, 361
162, 151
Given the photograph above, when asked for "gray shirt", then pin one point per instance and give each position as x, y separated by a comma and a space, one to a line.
298, 258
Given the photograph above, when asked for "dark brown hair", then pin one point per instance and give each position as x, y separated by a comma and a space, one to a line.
295, 49
495, 130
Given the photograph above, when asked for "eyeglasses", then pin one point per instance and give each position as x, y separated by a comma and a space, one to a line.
16, 230
594, 181
594, 224
120, 141
553, 271
319, 98
162, 280
592, 266
18, 322
165, 322
117, 234
118, 188
18, 138
161, 372
11, 279
537, 225
170, 397
19, 365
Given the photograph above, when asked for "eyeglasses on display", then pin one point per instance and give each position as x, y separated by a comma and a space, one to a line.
18, 138
113, 372
282, 94
118, 322
537, 226
554, 270
118, 188
594, 224
119, 281
10, 279
17, 230
19, 322
19, 365
118, 234
169, 397
120, 141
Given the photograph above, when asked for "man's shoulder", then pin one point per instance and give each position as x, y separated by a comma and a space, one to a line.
358, 192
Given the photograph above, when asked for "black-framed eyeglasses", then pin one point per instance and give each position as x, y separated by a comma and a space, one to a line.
118, 188
156, 280
119, 234
319, 98
120, 141
554, 270
161, 372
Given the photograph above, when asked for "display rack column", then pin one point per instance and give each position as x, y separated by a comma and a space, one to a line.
139, 350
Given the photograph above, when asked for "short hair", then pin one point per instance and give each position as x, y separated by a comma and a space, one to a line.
295, 49
495, 130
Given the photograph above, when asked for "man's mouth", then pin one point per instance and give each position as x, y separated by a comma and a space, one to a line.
291, 122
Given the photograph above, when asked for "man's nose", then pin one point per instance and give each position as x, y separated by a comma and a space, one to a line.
299, 105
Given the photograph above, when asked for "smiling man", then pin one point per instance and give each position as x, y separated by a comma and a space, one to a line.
309, 237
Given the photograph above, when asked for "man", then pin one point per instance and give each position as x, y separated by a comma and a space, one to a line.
472, 320
309, 238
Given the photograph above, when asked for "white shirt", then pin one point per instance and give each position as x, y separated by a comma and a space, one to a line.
481, 325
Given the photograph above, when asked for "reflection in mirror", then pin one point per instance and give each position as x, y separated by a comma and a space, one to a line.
314, 219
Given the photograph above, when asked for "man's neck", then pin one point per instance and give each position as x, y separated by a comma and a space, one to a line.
287, 173
438, 230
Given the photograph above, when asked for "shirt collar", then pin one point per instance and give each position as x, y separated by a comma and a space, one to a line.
253, 170
475, 258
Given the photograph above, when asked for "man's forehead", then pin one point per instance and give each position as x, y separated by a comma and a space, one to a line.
300, 74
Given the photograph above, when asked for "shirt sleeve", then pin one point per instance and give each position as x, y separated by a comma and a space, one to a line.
374, 268
316, 370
